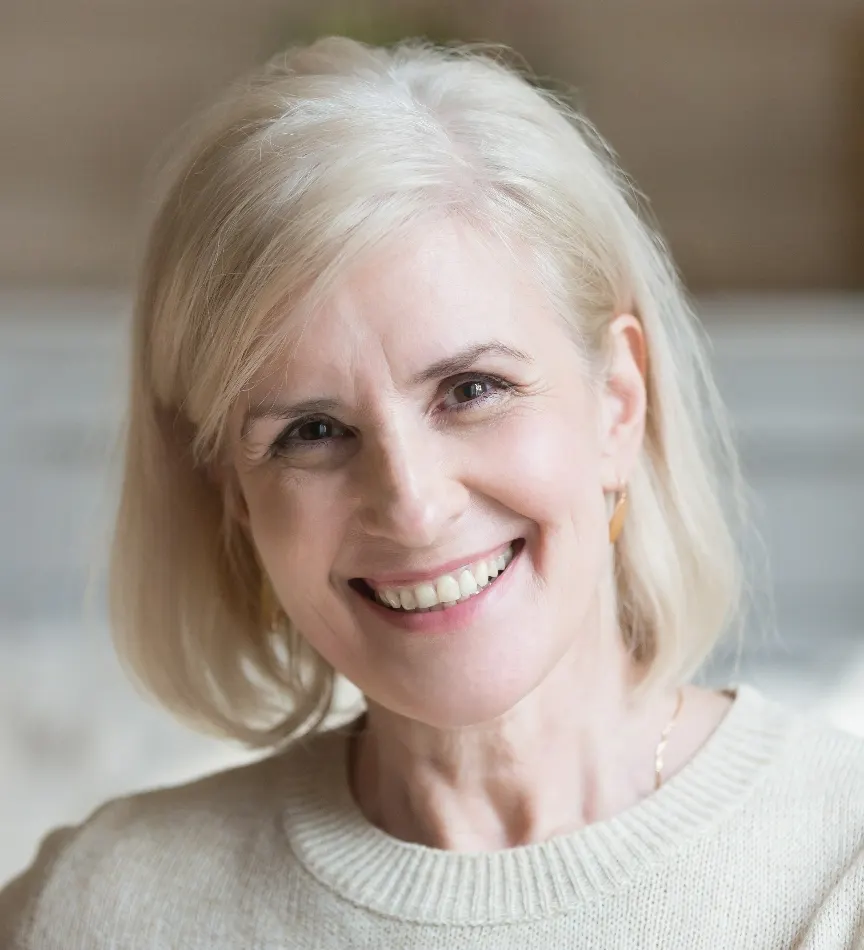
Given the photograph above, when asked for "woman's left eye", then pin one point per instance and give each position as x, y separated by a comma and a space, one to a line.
468, 392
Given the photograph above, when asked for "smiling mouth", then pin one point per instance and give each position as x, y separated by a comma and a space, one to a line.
445, 591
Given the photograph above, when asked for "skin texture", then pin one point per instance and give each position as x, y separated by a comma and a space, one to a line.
515, 724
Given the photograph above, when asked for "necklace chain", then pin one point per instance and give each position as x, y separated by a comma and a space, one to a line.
658, 752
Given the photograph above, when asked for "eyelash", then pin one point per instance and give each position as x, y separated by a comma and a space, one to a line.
284, 441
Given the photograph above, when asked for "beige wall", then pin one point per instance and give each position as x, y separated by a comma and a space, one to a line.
738, 118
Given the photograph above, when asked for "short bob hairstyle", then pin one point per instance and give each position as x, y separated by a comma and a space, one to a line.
325, 152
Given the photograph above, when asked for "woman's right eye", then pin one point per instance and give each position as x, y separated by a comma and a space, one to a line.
314, 431
309, 434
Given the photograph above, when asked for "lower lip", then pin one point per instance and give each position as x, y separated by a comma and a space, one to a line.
450, 619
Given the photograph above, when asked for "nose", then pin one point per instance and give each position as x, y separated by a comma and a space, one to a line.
409, 491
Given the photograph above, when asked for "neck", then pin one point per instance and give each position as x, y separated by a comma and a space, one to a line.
576, 750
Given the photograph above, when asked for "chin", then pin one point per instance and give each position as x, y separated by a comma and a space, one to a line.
479, 690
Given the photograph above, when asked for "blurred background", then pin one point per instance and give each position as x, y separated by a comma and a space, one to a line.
741, 121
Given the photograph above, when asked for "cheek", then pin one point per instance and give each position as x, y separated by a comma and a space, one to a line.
547, 469
297, 527
547, 461
296, 542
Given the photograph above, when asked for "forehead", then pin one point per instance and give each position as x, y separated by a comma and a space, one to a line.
409, 304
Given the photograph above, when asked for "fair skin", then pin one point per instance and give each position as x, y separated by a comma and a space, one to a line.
511, 720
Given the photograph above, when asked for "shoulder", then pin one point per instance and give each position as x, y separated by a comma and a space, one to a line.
810, 797
824, 764
115, 877
811, 759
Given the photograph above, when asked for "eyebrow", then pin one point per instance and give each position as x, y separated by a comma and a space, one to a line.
449, 366
465, 359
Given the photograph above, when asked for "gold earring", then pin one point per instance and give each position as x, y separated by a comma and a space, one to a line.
616, 522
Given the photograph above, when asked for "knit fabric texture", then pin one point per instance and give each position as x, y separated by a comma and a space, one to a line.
758, 842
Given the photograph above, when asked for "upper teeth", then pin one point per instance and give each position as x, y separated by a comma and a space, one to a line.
449, 588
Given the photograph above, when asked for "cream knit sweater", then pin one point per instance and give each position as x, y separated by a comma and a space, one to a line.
757, 843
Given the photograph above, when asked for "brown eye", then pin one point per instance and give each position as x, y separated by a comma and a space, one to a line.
474, 391
311, 434
314, 431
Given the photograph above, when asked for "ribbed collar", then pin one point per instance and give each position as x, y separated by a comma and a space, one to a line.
348, 855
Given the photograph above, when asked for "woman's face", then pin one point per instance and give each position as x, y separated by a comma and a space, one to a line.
432, 424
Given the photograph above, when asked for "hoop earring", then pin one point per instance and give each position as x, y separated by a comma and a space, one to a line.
616, 522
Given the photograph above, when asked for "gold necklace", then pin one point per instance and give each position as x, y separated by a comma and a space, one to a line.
658, 752
664, 738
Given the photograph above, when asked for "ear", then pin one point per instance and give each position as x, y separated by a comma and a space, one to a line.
623, 401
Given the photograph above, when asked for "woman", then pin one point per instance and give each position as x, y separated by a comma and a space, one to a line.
418, 400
